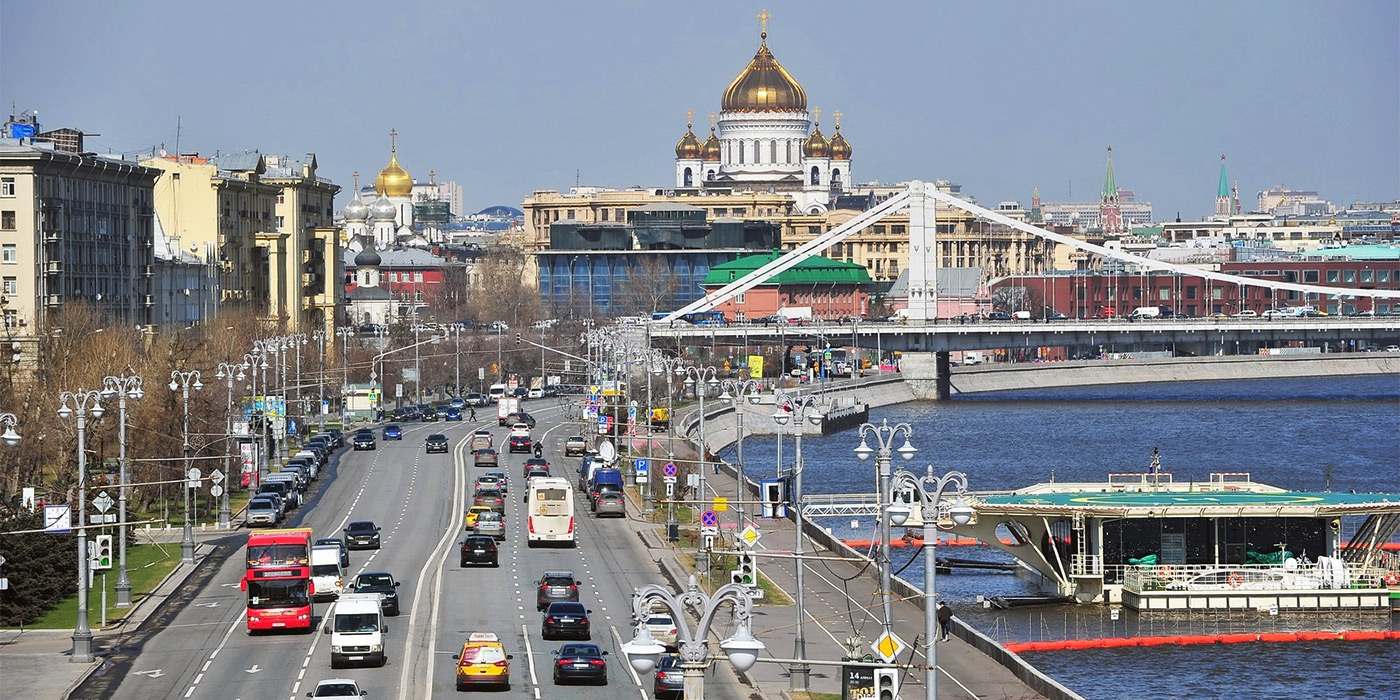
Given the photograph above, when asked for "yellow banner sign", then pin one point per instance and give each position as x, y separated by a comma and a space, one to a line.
721, 504
755, 366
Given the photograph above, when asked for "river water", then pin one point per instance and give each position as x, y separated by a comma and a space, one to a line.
1302, 434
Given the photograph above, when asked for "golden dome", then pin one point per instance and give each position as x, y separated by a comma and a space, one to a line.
816, 145
689, 146
393, 180
711, 150
764, 86
840, 148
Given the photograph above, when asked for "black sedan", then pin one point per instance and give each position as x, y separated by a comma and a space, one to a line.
479, 549
580, 662
362, 534
569, 620
437, 442
381, 582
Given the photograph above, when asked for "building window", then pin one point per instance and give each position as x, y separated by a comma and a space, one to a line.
604, 215
1332, 276
1365, 276
1382, 276
7, 187
418, 276
739, 298
7, 221
279, 222
11, 285
279, 199
11, 318
10, 253
1310, 276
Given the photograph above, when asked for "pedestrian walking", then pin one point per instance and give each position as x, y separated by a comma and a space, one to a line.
472, 415
945, 620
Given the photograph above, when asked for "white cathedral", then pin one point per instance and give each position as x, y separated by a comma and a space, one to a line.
766, 140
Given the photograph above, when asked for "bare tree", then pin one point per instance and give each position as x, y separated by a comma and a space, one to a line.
649, 287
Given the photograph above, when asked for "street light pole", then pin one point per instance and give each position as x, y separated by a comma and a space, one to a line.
84, 402
747, 389
227, 372
884, 438
319, 335
344, 333
800, 673
701, 379
182, 381
122, 387
929, 490
742, 649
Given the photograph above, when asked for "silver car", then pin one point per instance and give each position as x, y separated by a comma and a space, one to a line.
610, 503
261, 511
491, 523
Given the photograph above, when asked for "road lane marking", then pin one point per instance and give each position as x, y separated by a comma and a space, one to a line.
449, 535
530, 658
631, 671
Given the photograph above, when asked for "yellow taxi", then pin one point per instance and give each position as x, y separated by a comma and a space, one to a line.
469, 522
483, 661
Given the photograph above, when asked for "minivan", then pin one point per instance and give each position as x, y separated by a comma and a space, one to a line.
357, 630
610, 479
496, 392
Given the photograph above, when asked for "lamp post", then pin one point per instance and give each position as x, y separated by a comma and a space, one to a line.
742, 649
381, 331
700, 379
929, 490
182, 381
788, 408
456, 330
295, 342
747, 389
344, 333
122, 387
84, 402
228, 372
320, 336
884, 437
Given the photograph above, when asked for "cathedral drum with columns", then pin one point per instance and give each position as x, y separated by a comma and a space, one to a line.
766, 140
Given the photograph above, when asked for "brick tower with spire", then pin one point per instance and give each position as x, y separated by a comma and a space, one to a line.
1110, 215
1223, 205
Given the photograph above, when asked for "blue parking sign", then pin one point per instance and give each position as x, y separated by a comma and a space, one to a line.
641, 466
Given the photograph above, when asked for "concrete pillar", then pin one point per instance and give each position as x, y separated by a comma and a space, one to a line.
927, 374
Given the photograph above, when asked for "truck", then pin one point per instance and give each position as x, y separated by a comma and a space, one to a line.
974, 357
796, 314
506, 406
660, 418
357, 630
327, 575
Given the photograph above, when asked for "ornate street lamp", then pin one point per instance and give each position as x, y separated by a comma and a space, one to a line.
122, 387
747, 389
885, 435
84, 402
788, 408
182, 381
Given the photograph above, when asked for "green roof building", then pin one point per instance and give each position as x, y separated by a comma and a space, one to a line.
817, 287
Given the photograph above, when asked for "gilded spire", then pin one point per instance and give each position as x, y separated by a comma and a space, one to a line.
764, 86
840, 147
711, 150
763, 18
688, 147
393, 180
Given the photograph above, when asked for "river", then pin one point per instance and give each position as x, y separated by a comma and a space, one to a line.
1303, 434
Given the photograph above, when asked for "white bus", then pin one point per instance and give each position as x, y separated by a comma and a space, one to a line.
549, 511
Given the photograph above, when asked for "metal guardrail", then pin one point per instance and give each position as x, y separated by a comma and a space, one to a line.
1243, 577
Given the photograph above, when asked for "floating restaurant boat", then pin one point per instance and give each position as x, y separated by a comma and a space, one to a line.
1154, 544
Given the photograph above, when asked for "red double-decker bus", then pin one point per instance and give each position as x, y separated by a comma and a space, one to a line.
278, 579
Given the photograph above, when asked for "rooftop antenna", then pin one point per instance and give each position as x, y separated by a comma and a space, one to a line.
177, 138
576, 178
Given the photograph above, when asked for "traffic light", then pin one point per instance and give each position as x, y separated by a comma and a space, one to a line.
517, 337
886, 683
16, 352
102, 556
746, 574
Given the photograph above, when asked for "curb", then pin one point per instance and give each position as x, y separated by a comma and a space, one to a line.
137, 613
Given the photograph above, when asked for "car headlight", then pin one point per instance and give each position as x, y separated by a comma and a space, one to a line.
376, 647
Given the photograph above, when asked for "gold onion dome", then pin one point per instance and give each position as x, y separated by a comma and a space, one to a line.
711, 150
764, 86
816, 145
689, 146
840, 148
393, 181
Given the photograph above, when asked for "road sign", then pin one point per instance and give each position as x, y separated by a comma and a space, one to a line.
193, 477
216, 490
641, 466
749, 536
669, 469
217, 477
721, 504
102, 502
888, 646
58, 520
709, 519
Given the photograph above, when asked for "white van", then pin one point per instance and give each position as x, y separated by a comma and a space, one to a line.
357, 630
1146, 312
327, 576
496, 392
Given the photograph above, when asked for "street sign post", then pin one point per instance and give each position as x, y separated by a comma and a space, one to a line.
709, 523
642, 468
193, 478
888, 646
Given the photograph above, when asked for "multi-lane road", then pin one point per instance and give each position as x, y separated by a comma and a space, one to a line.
202, 649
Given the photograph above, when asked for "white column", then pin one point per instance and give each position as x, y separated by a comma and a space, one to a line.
923, 253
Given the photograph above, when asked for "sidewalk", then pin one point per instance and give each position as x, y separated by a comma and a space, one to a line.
35, 663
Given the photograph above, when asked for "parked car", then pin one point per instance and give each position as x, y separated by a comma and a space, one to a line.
555, 586
479, 549
565, 620
437, 442
580, 662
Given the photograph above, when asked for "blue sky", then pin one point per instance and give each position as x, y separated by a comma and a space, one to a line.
509, 97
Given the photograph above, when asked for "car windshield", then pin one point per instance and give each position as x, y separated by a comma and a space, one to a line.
278, 594
660, 620
360, 527
357, 622
325, 569
481, 542
371, 580
488, 516
483, 655
567, 608
277, 555
337, 690
579, 650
